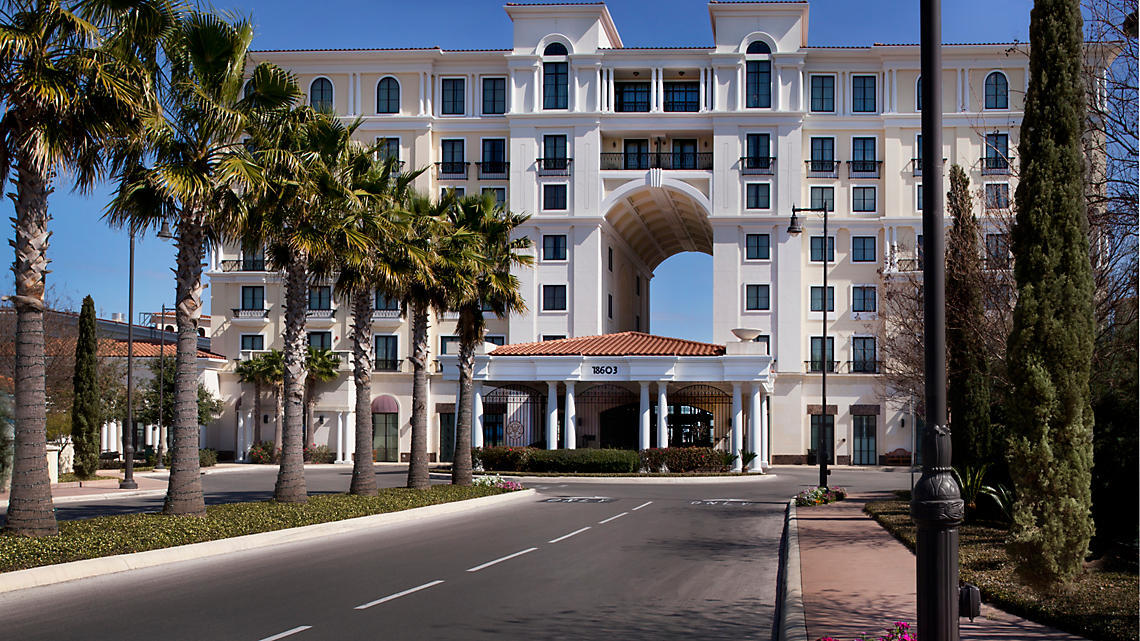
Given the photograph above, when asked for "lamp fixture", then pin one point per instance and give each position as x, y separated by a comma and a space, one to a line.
165, 233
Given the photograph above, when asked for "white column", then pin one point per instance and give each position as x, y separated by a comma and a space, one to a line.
248, 442
740, 88
552, 415
423, 87
713, 89
148, 435
103, 437
570, 436
662, 415
703, 83
643, 432
339, 438
237, 437
737, 425
610, 93
477, 414
360, 96
755, 427
765, 433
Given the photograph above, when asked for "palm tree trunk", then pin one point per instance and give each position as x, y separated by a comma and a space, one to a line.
278, 396
290, 487
30, 511
184, 491
461, 463
363, 476
418, 466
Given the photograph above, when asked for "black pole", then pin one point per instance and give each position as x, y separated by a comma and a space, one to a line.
128, 482
161, 384
936, 504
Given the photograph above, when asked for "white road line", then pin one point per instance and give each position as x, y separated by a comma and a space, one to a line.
500, 560
300, 628
540, 487
616, 516
563, 485
566, 536
641, 506
397, 595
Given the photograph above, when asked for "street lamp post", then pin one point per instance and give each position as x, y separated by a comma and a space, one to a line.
936, 504
128, 482
795, 229
164, 234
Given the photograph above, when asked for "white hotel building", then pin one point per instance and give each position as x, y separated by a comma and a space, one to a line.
624, 157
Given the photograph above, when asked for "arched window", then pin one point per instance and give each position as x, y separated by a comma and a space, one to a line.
321, 94
388, 96
758, 89
997, 91
555, 78
247, 89
918, 94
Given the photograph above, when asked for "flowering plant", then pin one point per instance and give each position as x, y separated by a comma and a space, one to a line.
899, 631
495, 480
820, 496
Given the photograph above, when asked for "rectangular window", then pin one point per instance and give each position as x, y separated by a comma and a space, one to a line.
822, 151
610, 305
494, 156
682, 96
610, 258
863, 299
637, 284
756, 297
636, 154
817, 357
759, 84
759, 196
863, 151
822, 197
553, 298
817, 249
457, 192
494, 96
631, 96
252, 297
757, 247
495, 340
448, 345
998, 297
863, 199
554, 197
384, 302
252, 342
997, 153
451, 157
387, 359
817, 298
863, 94
499, 193
453, 96
555, 85
684, 153
554, 152
320, 297
918, 198
554, 247
918, 154
823, 93
553, 337
320, 340
758, 150
997, 196
863, 249
863, 355
388, 148
253, 260
997, 251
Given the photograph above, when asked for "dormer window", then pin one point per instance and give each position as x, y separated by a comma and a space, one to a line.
555, 77
758, 71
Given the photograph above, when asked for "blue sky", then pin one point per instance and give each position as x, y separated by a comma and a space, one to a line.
89, 258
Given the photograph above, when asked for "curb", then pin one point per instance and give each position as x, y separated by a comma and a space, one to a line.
79, 498
791, 623
618, 480
74, 570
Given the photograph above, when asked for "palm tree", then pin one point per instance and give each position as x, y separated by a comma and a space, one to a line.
274, 362
192, 170
495, 289
259, 371
321, 366
73, 78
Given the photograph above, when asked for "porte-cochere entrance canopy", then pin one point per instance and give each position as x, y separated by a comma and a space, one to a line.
598, 393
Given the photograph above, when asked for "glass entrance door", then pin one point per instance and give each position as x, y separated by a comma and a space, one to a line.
386, 437
446, 437
865, 440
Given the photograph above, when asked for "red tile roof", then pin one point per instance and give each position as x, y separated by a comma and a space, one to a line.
622, 344
147, 349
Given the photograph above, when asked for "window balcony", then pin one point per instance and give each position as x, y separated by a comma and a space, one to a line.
910, 264
244, 265
916, 166
995, 166
638, 161
757, 165
493, 169
386, 365
863, 168
451, 170
384, 314
822, 168
319, 314
816, 366
864, 367
554, 166
250, 354
251, 314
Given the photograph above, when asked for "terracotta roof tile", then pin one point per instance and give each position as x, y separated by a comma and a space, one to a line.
621, 344
147, 349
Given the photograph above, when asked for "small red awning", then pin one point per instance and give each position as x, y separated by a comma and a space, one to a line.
385, 405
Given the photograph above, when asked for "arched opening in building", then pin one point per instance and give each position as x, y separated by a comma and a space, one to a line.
385, 429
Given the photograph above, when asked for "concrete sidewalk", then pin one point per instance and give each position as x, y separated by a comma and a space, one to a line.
857, 579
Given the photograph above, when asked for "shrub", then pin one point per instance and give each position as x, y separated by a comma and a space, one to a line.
584, 461
207, 457
899, 631
503, 459
318, 454
685, 459
497, 481
747, 457
263, 452
820, 496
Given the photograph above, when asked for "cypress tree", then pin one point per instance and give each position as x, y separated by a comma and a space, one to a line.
1050, 347
85, 411
969, 394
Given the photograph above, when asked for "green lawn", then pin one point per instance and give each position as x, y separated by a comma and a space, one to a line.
1100, 604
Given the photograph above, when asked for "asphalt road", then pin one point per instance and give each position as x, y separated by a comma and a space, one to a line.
658, 561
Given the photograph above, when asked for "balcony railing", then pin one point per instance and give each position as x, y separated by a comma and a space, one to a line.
863, 168
244, 265
916, 166
493, 169
319, 314
822, 168
995, 166
816, 365
386, 365
757, 165
910, 264
251, 313
848, 367
451, 170
380, 314
864, 367
554, 166
657, 160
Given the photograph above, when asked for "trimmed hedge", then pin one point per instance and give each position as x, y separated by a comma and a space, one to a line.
685, 459
125, 533
530, 459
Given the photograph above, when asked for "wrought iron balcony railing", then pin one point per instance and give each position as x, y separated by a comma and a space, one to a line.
916, 166
864, 367
387, 365
493, 169
554, 166
996, 165
816, 365
822, 168
757, 165
657, 160
244, 265
863, 168
451, 170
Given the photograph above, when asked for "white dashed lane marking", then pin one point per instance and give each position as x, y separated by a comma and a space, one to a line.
501, 559
390, 597
282, 635
641, 506
616, 516
566, 536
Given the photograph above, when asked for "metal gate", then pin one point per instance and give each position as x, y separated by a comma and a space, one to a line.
607, 417
514, 415
701, 416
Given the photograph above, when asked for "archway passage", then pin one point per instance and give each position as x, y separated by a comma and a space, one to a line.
658, 222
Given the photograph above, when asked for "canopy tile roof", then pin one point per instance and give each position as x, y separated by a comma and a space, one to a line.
148, 349
621, 344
